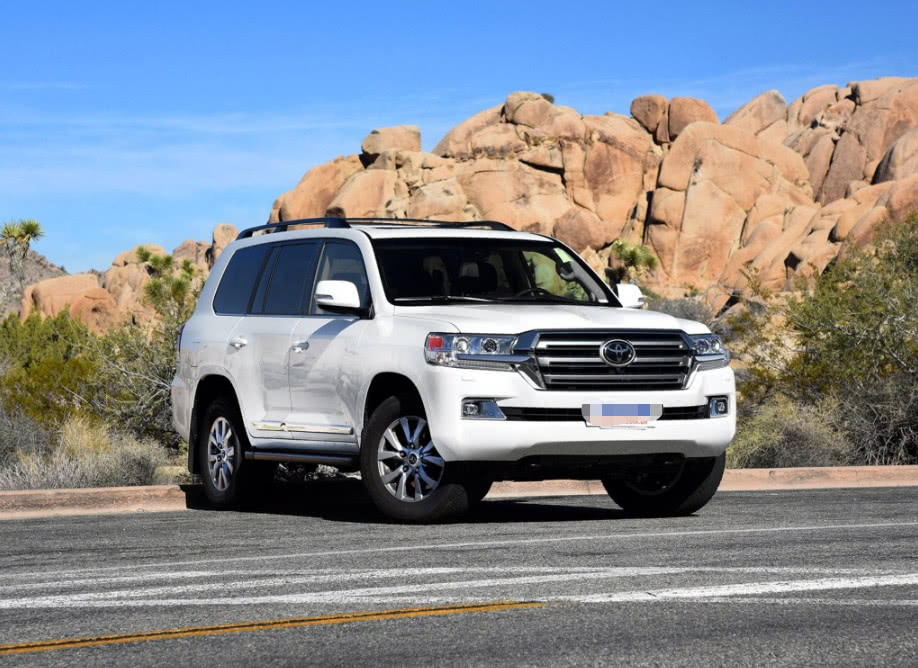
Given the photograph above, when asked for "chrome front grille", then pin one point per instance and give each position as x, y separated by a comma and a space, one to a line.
571, 361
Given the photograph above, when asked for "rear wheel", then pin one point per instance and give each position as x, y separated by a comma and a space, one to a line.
404, 474
229, 479
668, 493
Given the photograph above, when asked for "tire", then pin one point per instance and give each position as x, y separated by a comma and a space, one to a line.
238, 480
691, 489
408, 495
477, 489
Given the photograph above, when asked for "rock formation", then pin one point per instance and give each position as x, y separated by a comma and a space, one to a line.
102, 301
776, 190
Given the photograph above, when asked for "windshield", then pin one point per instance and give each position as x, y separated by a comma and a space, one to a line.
416, 271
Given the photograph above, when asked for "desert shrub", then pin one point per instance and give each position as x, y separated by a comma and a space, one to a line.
691, 308
136, 364
850, 333
881, 419
786, 433
549, 97
85, 455
20, 433
45, 376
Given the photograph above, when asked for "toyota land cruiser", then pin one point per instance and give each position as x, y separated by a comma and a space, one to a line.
438, 357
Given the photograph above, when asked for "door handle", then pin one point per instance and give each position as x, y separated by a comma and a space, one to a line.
300, 346
239, 342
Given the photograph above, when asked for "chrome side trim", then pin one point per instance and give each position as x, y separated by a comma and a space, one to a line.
303, 428
268, 426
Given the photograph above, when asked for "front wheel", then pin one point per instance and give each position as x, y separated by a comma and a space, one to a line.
669, 494
405, 476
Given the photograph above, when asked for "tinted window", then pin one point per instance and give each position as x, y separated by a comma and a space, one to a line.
291, 280
239, 279
342, 261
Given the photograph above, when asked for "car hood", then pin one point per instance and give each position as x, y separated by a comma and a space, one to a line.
517, 318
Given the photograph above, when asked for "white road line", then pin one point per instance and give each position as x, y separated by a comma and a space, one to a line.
850, 602
415, 591
428, 547
745, 589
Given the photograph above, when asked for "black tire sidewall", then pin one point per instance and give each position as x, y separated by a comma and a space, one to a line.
449, 500
232, 495
695, 487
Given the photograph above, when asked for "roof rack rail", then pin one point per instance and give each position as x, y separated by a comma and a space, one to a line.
339, 223
281, 226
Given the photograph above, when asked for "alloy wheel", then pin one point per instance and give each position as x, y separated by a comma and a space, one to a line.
221, 454
409, 465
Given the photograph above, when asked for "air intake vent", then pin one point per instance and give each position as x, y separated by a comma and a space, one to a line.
572, 361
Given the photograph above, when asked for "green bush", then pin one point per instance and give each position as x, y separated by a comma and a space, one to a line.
785, 433
850, 333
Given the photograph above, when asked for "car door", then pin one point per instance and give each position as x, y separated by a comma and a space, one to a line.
258, 350
325, 346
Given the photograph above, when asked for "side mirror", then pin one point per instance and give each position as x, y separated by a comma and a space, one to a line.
629, 295
338, 296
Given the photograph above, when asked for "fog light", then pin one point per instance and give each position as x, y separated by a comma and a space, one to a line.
718, 406
482, 409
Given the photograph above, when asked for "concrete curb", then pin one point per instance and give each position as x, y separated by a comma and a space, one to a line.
98, 501
740, 480
171, 498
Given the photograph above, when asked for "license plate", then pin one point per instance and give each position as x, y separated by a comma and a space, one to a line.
607, 416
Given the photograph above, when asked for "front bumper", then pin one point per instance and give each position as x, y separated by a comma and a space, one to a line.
461, 439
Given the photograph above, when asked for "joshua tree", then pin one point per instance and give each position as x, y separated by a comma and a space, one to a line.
17, 236
633, 259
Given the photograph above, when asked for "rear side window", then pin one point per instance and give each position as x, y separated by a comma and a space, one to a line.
239, 279
290, 281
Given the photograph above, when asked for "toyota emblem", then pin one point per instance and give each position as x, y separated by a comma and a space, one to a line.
617, 352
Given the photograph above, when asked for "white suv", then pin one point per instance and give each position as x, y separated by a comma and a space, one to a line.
436, 358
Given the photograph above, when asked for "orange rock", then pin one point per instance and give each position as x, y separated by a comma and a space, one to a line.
683, 111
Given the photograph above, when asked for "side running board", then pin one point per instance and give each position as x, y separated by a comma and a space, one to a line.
301, 458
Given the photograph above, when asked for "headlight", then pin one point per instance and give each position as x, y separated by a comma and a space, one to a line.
710, 352
471, 351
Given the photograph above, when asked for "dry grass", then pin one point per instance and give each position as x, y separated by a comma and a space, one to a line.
785, 434
84, 455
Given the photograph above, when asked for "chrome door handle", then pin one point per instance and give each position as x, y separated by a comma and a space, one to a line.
300, 346
239, 342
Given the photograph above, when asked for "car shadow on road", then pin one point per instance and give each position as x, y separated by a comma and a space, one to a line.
347, 501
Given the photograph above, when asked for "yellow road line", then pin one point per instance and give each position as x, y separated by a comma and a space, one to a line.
264, 625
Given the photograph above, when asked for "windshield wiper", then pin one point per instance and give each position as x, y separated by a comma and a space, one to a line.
442, 299
552, 299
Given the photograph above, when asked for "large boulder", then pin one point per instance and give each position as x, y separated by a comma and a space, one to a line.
125, 279
722, 198
649, 110
366, 193
79, 294
315, 191
901, 160
53, 295
862, 124
195, 252
223, 235
395, 138
764, 116
683, 111
456, 142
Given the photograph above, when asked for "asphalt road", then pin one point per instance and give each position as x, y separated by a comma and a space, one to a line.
780, 578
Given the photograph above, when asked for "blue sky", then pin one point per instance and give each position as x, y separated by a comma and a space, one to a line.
125, 123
